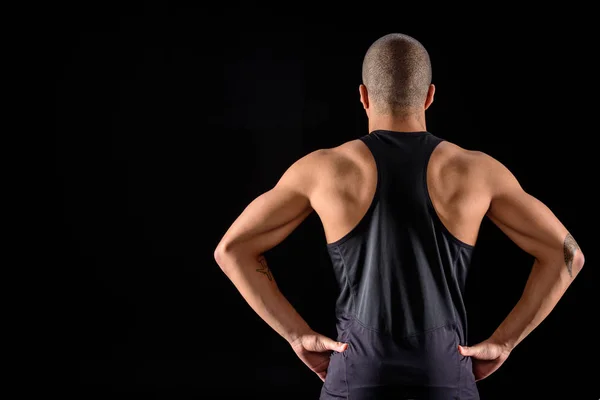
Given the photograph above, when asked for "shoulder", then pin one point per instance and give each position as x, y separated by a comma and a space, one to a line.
319, 165
332, 159
313, 161
479, 166
465, 158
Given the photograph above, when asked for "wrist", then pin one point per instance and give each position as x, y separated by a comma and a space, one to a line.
295, 338
506, 344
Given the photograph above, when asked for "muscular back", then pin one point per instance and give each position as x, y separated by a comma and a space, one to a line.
402, 277
348, 181
464, 186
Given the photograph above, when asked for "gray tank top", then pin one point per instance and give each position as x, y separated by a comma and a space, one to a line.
401, 276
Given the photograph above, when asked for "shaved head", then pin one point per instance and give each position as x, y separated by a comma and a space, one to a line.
397, 73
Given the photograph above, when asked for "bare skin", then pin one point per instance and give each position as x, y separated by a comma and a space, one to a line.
339, 183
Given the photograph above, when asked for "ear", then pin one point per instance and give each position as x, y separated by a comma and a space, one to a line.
430, 93
364, 96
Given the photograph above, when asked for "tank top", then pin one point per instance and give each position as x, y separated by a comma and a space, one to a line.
401, 277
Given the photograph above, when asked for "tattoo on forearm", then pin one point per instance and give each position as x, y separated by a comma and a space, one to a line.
570, 247
264, 269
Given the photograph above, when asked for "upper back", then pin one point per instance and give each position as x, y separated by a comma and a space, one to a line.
454, 183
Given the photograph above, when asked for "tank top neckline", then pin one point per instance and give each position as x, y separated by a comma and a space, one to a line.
402, 133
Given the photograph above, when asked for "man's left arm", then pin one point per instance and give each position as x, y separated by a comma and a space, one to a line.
265, 223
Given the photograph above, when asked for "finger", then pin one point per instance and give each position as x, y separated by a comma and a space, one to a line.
331, 344
469, 351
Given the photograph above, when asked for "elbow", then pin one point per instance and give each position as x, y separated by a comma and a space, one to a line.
567, 255
232, 251
578, 261
221, 254
573, 256
226, 254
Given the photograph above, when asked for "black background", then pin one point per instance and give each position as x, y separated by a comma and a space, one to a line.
169, 121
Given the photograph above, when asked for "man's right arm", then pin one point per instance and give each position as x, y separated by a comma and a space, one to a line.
532, 226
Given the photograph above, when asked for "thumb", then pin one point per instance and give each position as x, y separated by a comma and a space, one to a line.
469, 351
331, 344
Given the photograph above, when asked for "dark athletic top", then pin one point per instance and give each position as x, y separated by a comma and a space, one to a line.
402, 278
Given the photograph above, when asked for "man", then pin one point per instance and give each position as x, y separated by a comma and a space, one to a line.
401, 211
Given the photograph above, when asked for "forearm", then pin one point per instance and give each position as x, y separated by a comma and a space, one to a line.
546, 284
255, 282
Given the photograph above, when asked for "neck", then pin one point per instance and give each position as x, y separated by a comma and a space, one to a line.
407, 123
